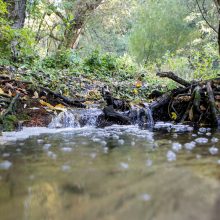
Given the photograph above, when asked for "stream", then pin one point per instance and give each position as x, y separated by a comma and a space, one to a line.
74, 172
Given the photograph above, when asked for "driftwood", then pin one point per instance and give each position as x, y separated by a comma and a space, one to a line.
11, 106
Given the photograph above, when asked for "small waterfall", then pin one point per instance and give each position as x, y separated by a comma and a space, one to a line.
145, 117
76, 118
149, 115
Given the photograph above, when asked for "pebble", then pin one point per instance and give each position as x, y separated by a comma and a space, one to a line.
132, 143
176, 146
189, 146
201, 140
171, 156
5, 165
213, 150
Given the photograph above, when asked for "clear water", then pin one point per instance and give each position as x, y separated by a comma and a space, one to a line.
116, 173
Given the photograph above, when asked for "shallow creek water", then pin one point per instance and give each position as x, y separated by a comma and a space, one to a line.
116, 173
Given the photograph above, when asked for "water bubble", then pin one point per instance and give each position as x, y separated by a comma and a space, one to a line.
189, 146
40, 141
213, 150
202, 130
149, 163
93, 155
65, 168
115, 136
96, 139
124, 165
145, 197
208, 134
171, 156
198, 156
176, 146
66, 149
105, 150
103, 143
6, 155
46, 146
52, 155
214, 140
5, 165
121, 141
201, 140
194, 135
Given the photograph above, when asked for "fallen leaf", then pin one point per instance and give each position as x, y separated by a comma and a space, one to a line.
46, 104
138, 84
173, 115
36, 96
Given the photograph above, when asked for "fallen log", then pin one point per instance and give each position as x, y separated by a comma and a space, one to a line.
174, 77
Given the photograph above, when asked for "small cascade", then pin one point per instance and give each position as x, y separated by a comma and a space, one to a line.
149, 115
76, 118
143, 117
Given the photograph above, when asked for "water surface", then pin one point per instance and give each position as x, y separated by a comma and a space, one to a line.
116, 173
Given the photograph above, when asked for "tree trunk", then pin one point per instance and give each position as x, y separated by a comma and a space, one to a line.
83, 10
16, 12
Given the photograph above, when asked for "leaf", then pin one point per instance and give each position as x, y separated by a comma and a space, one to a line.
135, 91
46, 104
36, 95
173, 115
9, 93
138, 84
59, 107
191, 114
1, 91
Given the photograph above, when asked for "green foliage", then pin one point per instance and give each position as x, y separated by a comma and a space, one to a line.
160, 28
61, 60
